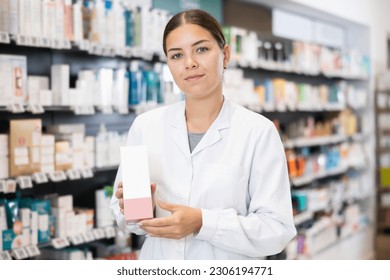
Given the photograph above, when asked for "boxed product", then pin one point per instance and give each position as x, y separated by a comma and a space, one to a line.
35, 85
63, 155
47, 153
136, 184
13, 79
60, 84
25, 140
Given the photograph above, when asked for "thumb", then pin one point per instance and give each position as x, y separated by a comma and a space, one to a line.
153, 187
167, 206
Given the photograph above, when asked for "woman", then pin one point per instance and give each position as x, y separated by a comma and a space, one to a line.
219, 171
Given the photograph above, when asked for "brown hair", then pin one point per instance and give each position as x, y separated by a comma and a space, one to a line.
197, 17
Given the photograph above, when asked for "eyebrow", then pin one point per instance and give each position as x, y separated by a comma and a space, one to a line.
194, 44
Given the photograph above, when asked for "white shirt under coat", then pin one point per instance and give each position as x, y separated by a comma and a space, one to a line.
237, 175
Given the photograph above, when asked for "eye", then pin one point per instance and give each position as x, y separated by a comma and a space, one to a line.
176, 56
202, 50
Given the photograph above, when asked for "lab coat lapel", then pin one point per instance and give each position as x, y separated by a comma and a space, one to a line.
213, 134
178, 128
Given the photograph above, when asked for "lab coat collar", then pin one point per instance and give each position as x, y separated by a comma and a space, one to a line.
179, 133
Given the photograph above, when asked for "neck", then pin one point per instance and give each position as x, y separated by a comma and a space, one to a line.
201, 113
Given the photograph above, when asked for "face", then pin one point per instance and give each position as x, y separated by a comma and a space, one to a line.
196, 61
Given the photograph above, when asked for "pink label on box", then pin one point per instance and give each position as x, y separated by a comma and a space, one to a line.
138, 209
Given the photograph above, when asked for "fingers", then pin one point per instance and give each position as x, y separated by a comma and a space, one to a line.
119, 192
157, 222
153, 187
168, 206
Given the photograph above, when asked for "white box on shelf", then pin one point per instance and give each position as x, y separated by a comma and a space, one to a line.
60, 74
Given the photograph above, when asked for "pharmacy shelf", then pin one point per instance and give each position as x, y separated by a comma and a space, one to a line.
9, 185
351, 247
282, 68
304, 109
303, 217
83, 46
304, 180
315, 141
31, 251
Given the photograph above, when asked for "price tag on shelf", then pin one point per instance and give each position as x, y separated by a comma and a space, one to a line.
86, 173
24, 182
4, 38
137, 52
20, 253
73, 174
83, 110
88, 236
66, 44
84, 45
147, 56
110, 232
46, 42
108, 51
32, 250
22, 40
35, 109
10, 186
35, 41
2, 185
60, 242
128, 52
106, 109
57, 176
123, 110
5, 256
40, 178
99, 233
96, 49
56, 44
120, 51
15, 108
76, 239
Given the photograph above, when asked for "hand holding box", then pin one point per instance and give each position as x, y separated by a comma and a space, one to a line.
137, 196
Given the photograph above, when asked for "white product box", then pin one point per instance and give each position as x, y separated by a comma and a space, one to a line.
4, 167
3, 219
47, 160
48, 168
35, 85
60, 74
70, 223
63, 202
34, 227
13, 78
4, 150
4, 19
47, 140
136, 183
78, 159
46, 97
25, 214
60, 215
47, 151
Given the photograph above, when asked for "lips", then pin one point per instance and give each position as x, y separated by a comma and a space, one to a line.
193, 77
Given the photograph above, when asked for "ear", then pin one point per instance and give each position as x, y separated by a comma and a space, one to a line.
226, 55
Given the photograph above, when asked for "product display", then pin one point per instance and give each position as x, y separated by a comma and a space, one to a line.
58, 159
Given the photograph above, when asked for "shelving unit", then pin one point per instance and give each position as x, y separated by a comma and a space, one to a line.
328, 181
42, 55
382, 113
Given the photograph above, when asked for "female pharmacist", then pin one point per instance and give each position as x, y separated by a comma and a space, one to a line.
219, 171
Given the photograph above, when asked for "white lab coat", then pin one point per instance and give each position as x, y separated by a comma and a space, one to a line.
237, 175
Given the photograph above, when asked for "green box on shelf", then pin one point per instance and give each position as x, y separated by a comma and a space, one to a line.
385, 177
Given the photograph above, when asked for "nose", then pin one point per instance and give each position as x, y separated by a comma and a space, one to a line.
191, 63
